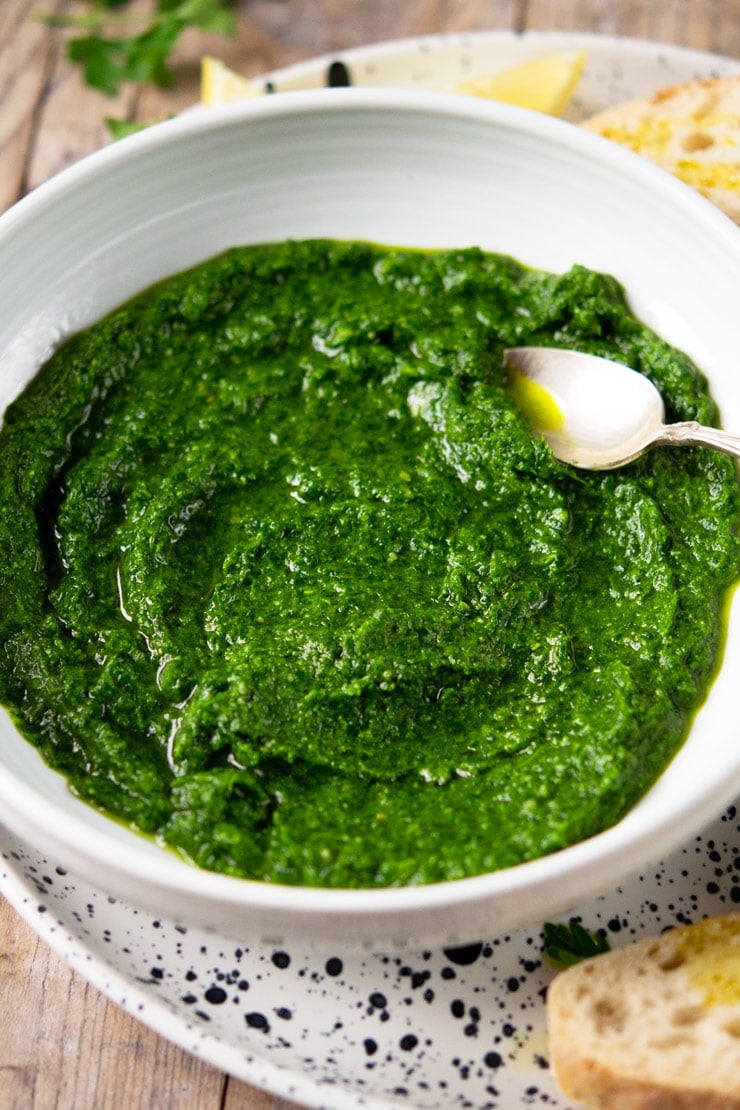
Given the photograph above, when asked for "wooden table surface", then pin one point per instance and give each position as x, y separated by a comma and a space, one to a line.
62, 1044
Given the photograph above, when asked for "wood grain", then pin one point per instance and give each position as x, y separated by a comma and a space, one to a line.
25, 58
702, 24
62, 1044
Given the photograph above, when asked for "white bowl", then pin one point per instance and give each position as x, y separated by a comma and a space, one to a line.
396, 167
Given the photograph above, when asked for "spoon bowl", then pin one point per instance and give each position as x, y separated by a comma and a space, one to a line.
597, 414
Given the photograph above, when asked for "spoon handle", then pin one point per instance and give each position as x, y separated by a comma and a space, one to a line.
690, 433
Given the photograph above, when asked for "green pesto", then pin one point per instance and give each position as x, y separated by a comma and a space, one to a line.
287, 582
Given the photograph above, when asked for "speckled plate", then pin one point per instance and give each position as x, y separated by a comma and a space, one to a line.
455, 1027
462, 1027
615, 70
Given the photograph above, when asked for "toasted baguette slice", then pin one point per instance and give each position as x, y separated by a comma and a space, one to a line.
655, 1026
692, 130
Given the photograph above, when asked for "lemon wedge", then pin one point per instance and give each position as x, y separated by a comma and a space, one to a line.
545, 84
221, 85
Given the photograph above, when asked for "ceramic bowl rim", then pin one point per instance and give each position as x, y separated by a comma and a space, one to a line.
604, 848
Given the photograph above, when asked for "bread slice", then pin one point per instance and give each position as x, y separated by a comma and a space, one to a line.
692, 130
654, 1026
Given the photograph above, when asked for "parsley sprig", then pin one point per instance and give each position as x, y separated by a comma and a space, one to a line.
123, 46
566, 945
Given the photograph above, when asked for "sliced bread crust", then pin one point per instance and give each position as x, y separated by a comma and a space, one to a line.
691, 130
655, 1026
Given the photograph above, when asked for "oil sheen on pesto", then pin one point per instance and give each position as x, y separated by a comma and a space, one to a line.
287, 582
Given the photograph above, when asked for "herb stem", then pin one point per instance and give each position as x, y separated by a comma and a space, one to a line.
95, 21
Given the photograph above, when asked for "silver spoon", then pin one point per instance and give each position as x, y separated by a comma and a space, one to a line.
597, 414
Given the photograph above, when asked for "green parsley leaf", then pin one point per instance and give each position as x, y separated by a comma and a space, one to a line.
566, 945
121, 128
100, 60
133, 47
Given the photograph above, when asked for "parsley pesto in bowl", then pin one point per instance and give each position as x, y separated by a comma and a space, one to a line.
290, 591
290, 585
